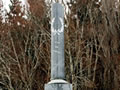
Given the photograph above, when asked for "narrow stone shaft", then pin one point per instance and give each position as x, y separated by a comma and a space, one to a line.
57, 50
57, 42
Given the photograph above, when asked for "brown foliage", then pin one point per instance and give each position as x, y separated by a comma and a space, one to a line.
92, 47
23, 65
37, 7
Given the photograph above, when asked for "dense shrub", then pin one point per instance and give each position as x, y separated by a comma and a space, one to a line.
92, 46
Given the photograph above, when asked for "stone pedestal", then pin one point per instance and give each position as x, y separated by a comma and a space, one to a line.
58, 85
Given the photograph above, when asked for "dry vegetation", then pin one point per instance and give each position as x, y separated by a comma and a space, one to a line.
92, 46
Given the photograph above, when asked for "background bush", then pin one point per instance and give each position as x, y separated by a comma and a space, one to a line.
92, 46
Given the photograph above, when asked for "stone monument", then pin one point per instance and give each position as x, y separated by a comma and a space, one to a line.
57, 50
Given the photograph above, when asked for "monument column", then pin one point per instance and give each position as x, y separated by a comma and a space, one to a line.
57, 42
57, 50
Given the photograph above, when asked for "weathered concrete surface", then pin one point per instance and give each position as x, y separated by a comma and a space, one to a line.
57, 50
57, 42
58, 84
55, 86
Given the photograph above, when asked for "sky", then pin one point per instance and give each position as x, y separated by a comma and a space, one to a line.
6, 4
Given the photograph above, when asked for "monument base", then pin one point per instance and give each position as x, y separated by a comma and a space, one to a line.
58, 85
